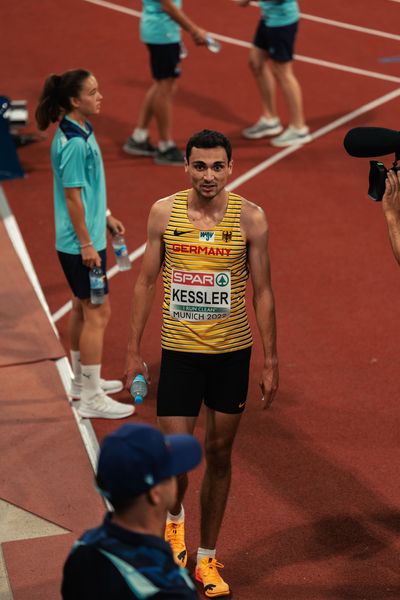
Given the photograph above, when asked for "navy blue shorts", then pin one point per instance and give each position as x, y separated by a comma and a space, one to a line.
189, 378
278, 42
164, 60
78, 275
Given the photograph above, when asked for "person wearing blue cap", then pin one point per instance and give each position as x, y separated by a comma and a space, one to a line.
126, 558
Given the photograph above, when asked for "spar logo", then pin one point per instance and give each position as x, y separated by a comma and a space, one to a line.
222, 280
193, 278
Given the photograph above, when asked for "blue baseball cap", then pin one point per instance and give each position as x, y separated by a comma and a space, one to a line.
136, 457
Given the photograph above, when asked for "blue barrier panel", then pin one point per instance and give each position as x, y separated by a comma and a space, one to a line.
10, 167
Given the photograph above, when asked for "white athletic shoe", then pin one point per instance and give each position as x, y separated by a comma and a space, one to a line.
112, 386
101, 406
292, 137
263, 128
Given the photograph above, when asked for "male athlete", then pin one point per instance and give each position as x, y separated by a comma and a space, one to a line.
207, 240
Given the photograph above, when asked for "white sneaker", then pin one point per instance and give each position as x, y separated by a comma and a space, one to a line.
102, 406
112, 386
263, 128
292, 136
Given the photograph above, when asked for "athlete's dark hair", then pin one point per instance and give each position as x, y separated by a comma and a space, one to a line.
207, 138
56, 95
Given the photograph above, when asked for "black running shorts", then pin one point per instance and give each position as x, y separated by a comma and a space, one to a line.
78, 275
189, 378
278, 42
164, 60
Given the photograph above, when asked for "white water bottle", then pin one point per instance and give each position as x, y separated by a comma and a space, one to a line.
183, 51
96, 278
139, 388
212, 44
121, 252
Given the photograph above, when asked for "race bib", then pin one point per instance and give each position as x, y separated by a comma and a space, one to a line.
200, 295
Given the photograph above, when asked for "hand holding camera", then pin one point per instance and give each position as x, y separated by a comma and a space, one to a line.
364, 142
391, 197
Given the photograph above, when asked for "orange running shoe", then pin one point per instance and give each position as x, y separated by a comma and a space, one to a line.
175, 535
207, 574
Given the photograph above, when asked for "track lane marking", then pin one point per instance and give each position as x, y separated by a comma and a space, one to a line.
262, 167
244, 44
61, 312
344, 25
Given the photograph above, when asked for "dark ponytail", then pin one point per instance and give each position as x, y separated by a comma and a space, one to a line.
56, 95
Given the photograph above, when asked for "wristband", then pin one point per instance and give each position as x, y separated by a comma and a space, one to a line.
86, 245
108, 212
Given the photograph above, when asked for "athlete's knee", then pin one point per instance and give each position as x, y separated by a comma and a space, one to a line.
282, 70
98, 315
77, 309
218, 454
256, 65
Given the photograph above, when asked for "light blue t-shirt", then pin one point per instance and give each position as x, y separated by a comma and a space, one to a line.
77, 163
278, 13
156, 26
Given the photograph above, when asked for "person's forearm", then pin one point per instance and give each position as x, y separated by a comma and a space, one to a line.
178, 16
143, 297
393, 222
264, 309
77, 215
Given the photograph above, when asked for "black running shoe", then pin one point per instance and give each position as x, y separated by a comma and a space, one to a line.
172, 156
139, 148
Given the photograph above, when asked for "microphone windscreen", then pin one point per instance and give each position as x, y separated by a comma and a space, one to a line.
365, 142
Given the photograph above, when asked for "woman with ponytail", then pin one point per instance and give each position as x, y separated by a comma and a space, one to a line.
81, 219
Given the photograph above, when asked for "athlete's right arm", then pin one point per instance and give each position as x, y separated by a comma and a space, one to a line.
145, 286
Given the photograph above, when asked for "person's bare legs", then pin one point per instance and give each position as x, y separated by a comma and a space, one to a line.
220, 434
259, 66
292, 92
173, 425
158, 104
75, 324
94, 400
147, 111
96, 317
162, 107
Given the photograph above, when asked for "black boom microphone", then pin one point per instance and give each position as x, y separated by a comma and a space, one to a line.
364, 142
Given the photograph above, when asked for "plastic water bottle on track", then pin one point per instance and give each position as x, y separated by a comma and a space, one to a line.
212, 44
121, 252
139, 388
96, 279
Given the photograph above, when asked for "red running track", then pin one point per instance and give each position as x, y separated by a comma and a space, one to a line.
314, 511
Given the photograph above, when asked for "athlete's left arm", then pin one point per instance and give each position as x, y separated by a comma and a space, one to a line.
255, 228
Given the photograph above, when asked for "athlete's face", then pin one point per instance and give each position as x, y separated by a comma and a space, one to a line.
209, 171
89, 101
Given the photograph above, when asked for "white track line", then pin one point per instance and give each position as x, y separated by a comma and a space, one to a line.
110, 273
343, 25
315, 135
268, 163
244, 44
279, 155
84, 425
14, 233
314, 61
367, 30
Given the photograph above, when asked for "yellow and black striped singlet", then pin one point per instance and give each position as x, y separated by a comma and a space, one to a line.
205, 274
